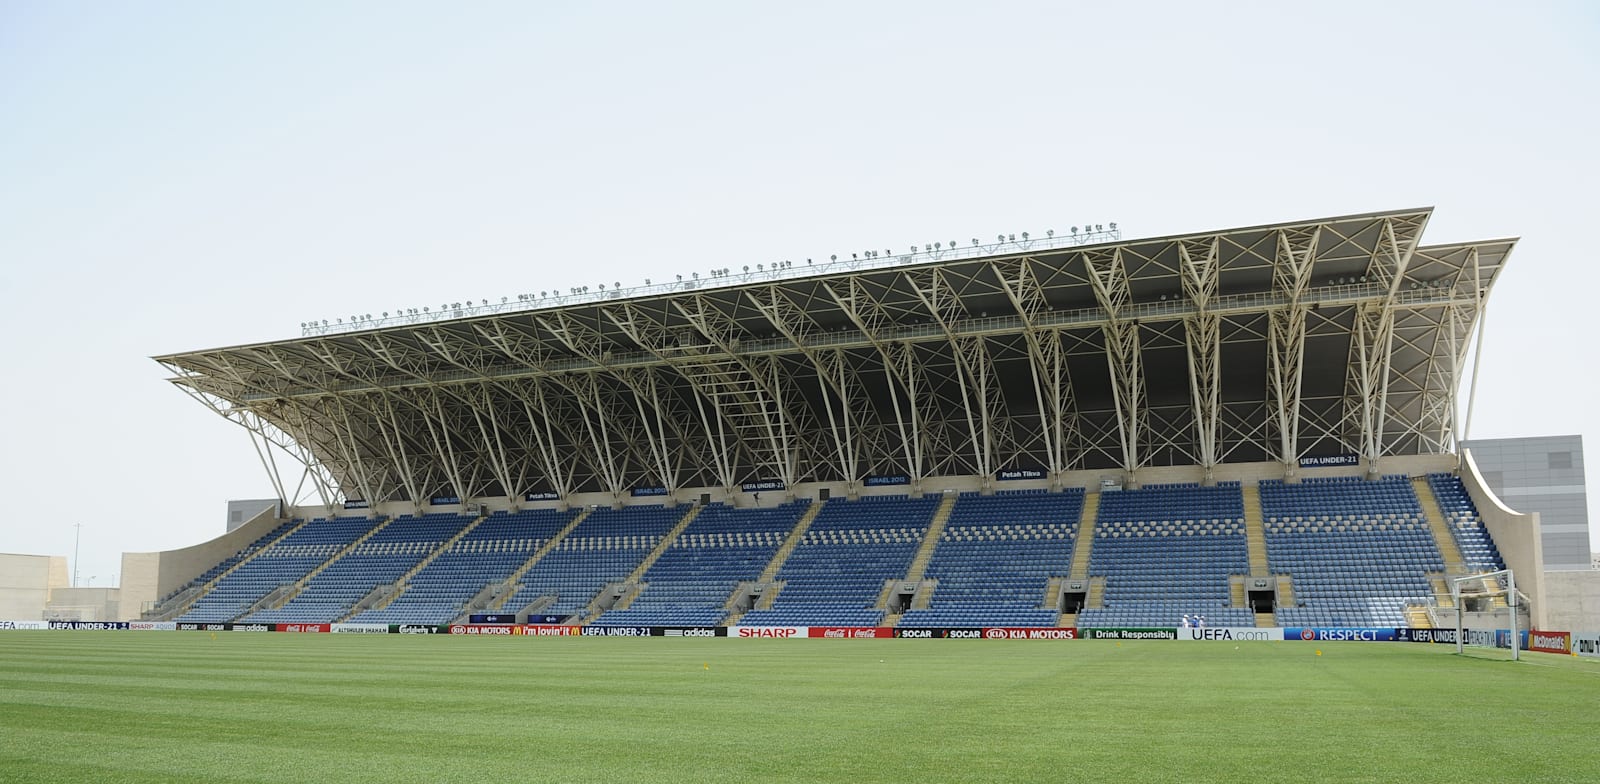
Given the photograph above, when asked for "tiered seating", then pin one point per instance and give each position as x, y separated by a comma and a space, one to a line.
1478, 552
284, 562
834, 576
996, 556
607, 546
377, 561
228, 563
489, 553
1167, 551
1358, 551
691, 582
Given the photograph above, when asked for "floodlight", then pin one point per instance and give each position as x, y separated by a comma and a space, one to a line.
1051, 233
1113, 225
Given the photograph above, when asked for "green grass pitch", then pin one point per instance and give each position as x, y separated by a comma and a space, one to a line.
187, 707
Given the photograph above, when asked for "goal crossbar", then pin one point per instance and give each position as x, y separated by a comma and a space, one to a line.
1482, 579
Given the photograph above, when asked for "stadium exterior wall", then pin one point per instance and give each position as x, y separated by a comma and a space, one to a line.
1574, 598
146, 577
26, 582
1515, 534
84, 604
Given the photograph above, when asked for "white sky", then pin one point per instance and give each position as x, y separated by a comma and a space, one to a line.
178, 176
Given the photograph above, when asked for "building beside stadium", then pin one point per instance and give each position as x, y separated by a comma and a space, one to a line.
1252, 380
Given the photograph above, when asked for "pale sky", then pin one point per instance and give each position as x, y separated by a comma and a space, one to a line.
179, 176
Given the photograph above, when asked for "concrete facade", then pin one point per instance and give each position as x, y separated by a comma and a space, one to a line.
26, 584
1542, 475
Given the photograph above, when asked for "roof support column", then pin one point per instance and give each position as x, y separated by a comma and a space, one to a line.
1203, 342
542, 429
1374, 336
980, 399
1109, 278
839, 386
1052, 385
1286, 339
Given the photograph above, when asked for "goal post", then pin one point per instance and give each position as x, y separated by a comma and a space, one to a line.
1501, 577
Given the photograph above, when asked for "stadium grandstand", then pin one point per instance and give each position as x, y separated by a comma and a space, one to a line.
1257, 426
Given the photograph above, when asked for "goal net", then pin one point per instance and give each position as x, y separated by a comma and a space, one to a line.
1491, 600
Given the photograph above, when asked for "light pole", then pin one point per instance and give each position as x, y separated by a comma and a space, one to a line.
77, 536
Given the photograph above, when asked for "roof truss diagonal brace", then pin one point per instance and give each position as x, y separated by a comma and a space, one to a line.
914, 408
1286, 337
840, 387
1109, 278
585, 388
542, 428
588, 343
1373, 336
430, 401
982, 405
1374, 333
394, 442
543, 423
1200, 271
267, 436
646, 331
652, 417
1052, 384
744, 388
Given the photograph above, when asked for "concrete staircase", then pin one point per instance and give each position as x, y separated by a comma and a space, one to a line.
795, 536
666, 542
1441, 590
511, 580
1285, 591
634, 583
1255, 536
1095, 597
193, 595
285, 596
1266, 620
769, 575
930, 540
1442, 536
1085, 544
400, 582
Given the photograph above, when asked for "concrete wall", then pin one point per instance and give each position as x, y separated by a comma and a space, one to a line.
1515, 534
84, 604
147, 577
1542, 474
241, 512
26, 582
1574, 601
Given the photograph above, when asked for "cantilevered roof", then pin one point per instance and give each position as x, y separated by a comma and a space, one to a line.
1341, 335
